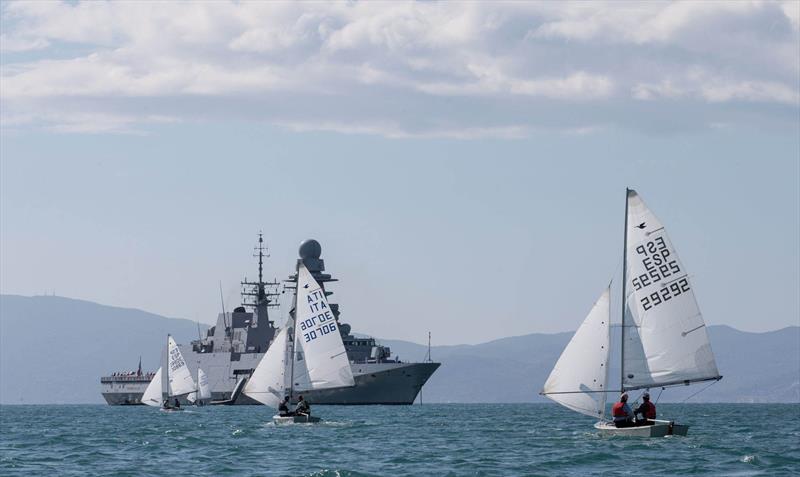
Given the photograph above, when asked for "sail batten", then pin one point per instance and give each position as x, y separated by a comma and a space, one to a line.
579, 378
665, 339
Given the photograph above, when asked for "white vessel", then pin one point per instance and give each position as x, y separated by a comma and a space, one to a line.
664, 341
306, 356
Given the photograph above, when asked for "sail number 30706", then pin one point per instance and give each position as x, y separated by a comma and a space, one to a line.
319, 325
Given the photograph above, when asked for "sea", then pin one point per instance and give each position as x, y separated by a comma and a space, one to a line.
419, 440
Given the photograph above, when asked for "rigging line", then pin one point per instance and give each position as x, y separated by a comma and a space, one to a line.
659, 394
698, 392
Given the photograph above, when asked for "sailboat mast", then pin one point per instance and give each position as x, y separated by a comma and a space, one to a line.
294, 338
624, 281
168, 395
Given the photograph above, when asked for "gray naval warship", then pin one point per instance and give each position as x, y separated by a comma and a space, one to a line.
233, 347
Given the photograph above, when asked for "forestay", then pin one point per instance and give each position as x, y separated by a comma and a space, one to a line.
579, 379
180, 378
317, 332
268, 382
665, 336
152, 394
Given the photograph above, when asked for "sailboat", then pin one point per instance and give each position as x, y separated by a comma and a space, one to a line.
310, 356
664, 340
203, 393
152, 395
179, 378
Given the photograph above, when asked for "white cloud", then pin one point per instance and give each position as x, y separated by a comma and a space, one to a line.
396, 69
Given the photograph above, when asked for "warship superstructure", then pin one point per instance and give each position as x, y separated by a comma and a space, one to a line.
233, 347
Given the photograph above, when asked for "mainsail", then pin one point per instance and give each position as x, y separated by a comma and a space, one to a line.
317, 332
268, 382
152, 395
665, 340
180, 378
578, 380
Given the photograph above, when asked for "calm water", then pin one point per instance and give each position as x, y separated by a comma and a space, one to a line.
433, 439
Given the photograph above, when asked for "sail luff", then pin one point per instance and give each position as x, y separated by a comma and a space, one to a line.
624, 282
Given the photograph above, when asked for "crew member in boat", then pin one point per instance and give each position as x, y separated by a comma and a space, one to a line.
177, 403
283, 407
302, 407
647, 410
622, 412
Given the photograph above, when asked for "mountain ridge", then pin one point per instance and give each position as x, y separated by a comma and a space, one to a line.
57, 361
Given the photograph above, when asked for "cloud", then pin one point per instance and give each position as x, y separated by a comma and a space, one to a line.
401, 69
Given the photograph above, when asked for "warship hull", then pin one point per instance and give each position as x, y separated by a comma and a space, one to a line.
376, 383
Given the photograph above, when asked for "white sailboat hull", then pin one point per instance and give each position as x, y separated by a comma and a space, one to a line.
661, 428
278, 419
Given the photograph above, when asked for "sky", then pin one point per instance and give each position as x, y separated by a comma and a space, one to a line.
463, 165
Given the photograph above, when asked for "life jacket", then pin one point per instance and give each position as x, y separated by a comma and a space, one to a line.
617, 410
650, 410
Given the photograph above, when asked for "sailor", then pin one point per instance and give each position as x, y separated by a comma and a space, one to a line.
177, 403
165, 405
302, 407
622, 413
283, 407
647, 411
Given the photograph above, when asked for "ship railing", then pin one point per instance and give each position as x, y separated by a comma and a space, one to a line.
111, 379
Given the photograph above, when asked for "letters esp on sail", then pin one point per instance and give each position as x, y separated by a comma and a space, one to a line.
579, 379
179, 377
665, 339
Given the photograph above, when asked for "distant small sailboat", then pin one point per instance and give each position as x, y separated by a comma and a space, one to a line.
203, 393
313, 358
179, 378
664, 341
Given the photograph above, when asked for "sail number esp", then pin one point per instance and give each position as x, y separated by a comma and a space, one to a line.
321, 321
655, 258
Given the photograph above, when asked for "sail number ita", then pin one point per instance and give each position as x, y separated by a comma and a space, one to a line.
321, 321
657, 266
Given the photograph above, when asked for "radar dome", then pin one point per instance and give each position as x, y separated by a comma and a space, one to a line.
310, 249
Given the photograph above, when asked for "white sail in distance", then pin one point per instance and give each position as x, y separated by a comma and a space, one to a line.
317, 332
579, 379
203, 388
180, 378
665, 336
152, 394
267, 385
